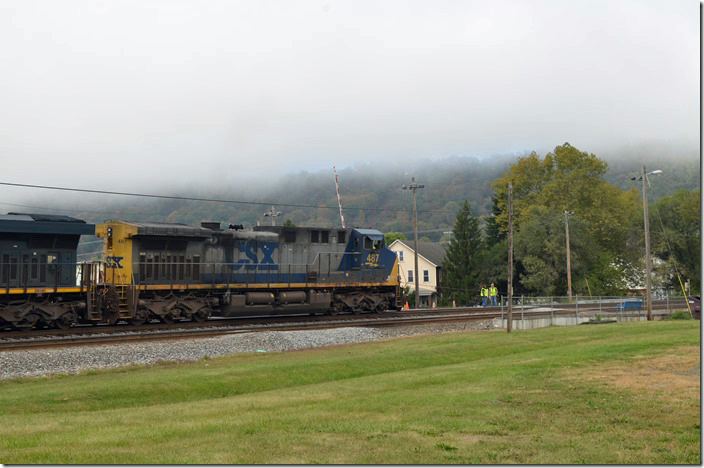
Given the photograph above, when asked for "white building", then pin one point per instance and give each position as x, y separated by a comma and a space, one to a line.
430, 258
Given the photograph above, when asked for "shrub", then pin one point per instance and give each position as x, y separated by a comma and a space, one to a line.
680, 315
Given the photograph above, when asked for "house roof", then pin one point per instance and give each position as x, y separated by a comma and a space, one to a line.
434, 253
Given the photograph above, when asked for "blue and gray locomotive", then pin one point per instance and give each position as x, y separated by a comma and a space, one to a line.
173, 272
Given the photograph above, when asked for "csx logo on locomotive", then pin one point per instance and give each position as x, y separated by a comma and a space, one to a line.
113, 262
253, 260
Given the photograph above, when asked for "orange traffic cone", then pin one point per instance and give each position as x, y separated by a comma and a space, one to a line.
406, 306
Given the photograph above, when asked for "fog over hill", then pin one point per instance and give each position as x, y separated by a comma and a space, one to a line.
371, 192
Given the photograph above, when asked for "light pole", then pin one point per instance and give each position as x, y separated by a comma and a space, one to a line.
509, 321
567, 240
413, 187
646, 225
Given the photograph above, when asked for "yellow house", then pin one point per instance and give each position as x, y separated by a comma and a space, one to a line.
430, 258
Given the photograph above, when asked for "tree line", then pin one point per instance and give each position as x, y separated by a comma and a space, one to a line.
605, 232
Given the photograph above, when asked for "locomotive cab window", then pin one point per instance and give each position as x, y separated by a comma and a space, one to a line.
341, 239
324, 237
314, 237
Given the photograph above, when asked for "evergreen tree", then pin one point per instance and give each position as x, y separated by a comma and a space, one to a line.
494, 235
461, 269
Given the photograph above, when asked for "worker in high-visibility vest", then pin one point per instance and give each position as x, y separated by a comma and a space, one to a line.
493, 292
484, 294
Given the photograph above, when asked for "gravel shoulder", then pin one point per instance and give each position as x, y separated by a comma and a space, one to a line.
37, 363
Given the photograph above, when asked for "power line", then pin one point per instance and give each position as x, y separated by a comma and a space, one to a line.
69, 209
213, 200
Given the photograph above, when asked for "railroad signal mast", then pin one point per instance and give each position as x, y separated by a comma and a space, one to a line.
339, 201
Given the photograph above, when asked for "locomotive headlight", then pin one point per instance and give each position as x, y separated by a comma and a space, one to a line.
109, 231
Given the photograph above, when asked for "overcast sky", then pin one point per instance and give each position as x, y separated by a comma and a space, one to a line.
122, 94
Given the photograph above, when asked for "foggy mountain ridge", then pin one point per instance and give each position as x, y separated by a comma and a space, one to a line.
375, 186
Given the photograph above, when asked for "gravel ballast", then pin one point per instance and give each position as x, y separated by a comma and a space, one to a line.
36, 363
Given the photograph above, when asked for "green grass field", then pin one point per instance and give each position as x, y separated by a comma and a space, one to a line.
618, 393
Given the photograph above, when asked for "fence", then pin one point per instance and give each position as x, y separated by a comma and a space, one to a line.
558, 310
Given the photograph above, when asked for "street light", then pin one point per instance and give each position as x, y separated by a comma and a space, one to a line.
646, 225
413, 187
567, 241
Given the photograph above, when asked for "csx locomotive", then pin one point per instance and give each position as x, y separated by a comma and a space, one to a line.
173, 272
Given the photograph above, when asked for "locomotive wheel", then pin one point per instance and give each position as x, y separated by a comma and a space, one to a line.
140, 317
167, 319
111, 317
381, 307
363, 306
66, 321
27, 323
201, 315
335, 308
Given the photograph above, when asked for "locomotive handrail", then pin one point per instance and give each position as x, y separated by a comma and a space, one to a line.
180, 275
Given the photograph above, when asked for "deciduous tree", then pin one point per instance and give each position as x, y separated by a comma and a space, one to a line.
675, 226
602, 230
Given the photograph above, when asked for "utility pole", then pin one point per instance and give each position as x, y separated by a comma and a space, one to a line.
509, 324
646, 226
648, 296
413, 187
273, 213
569, 270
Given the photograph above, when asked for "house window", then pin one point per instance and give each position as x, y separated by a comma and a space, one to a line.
400, 255
410, 276
426, 276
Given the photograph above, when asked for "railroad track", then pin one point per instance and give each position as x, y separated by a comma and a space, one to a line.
93, 336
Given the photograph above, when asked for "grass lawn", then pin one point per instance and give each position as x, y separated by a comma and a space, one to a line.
618, 393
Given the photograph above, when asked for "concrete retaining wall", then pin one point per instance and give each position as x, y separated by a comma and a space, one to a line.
530, 323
